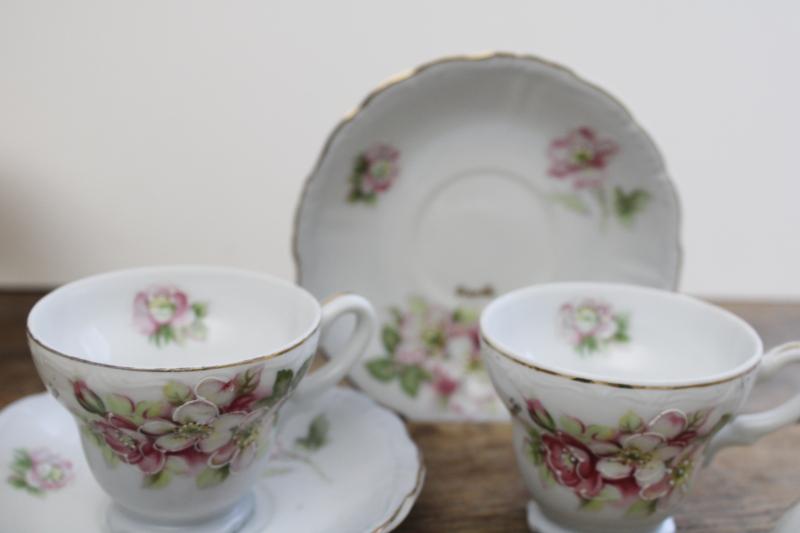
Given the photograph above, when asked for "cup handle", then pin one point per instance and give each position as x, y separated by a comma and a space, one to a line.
746, 429
340, 363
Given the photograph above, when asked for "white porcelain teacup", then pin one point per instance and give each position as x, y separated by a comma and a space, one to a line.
176, 375
619, 393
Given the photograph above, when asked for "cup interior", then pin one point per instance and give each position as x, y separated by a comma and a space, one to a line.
174, 317
620, 333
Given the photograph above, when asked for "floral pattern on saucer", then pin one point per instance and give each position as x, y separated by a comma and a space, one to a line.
428, 346
374, 172
39, 471
636, 465
302, 449
209, 432
592, 325
166, 316
580, 159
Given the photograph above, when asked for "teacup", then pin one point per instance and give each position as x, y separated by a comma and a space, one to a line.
619, 394
176, 375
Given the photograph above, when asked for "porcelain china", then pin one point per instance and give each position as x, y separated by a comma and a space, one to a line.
460, 181
342, 464
175, 377
618, 395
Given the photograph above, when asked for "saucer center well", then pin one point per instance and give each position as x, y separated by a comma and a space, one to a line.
482, 232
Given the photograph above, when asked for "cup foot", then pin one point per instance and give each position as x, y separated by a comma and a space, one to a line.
538, 522
242, 516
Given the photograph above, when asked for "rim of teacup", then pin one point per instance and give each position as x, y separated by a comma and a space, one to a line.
750, 364
232, 271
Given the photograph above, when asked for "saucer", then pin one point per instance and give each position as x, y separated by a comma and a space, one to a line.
460, 181
343, 464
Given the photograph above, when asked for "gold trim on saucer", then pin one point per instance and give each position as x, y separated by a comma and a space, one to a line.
485, 56
410, 496
617, 385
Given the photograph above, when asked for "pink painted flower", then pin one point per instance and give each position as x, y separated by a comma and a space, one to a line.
677, 476
161, 306
647, 454
590, 325
582, 156
443, 383
191, 424
572, 464
48, 471
410, 353
380, 168
126, 442
234, 439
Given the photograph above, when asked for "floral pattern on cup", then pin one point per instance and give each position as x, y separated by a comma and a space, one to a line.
208, 432
428, 346
165, 315
592, 325
635, 466
580, 159
374, 172
39, 471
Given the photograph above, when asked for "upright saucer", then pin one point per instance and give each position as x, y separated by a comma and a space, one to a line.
343, 464
464, 179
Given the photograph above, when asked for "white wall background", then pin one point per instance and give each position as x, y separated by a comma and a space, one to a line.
161, 131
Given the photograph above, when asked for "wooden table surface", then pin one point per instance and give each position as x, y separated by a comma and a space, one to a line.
473, 484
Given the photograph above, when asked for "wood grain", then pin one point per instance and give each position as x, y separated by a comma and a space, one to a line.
473, 485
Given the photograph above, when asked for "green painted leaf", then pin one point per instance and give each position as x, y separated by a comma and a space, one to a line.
592, 505
382, 369
17, 482
200, 310
211, 477
534, 447
282, 383
119, 405
622, 328
391, 338
151, 409
588, 345
626, 205
631, 422
22, 460
572, 202
641, 508
158, 480
718, 426
177, 465
546, 475
317, 435
411, 378
571, 426
301, 372
163, 335
610, 493
177, 393
598, 432
417, 305
465, 316
111, 458
280, 388
247, 381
